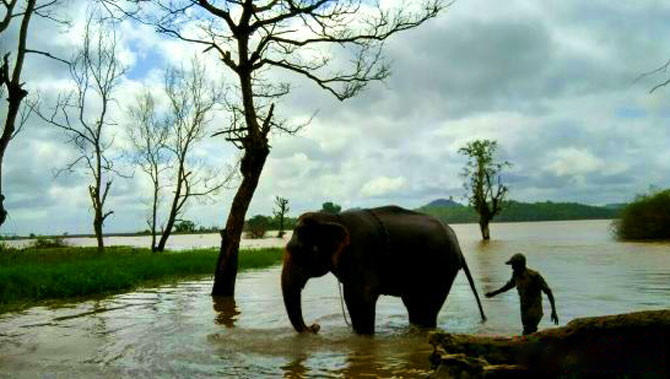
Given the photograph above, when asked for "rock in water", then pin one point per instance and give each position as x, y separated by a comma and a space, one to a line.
632, 344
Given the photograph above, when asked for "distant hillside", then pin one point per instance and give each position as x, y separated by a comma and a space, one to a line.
444, 203
517, 211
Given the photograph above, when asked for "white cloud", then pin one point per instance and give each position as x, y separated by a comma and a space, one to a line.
383, 185
573, 161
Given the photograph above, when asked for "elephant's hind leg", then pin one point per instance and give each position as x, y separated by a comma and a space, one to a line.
423, 308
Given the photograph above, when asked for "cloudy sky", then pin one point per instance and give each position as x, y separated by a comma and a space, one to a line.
553, 82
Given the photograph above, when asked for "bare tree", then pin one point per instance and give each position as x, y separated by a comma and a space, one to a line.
167, 143
83, 114
148, 138
486, 192
336, 44
16, 114
193, 100
280, 212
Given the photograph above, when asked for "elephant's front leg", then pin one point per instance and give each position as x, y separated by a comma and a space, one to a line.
361, 304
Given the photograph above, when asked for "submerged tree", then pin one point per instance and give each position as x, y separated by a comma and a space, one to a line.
485, 190
16, 113
330, 207
280, 211
336, 44
84, 113
165, 145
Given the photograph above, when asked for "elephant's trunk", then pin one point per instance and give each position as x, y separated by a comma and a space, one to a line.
292, 283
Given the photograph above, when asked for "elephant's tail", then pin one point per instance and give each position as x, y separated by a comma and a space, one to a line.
472, 286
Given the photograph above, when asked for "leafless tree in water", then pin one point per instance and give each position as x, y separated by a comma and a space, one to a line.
280, 211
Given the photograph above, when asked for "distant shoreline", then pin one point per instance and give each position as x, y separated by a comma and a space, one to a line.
269, 233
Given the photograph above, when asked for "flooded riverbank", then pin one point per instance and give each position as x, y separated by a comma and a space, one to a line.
179, 330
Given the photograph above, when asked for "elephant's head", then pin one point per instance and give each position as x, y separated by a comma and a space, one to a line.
317, 241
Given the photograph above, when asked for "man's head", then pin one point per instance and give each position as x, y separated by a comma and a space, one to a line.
518, 262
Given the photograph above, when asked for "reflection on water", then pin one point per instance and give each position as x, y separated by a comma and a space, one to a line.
226, 310
179, 330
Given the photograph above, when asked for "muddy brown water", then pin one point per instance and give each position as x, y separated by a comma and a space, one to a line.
178, 330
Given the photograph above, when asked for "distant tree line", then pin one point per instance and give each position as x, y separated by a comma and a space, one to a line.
515, 211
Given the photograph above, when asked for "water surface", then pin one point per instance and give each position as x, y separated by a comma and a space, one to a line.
179, 330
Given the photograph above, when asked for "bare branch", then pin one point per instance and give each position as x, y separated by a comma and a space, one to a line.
48, 55
9, 8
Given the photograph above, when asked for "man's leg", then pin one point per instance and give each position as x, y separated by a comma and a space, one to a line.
529, 329
530, 322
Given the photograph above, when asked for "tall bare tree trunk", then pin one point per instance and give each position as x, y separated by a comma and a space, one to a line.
98, 219
3, 212
15, 94
97, 228
226, 266
256, 151
154, 211
174, 209
484, 227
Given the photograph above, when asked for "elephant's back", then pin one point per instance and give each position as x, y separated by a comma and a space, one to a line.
420, 237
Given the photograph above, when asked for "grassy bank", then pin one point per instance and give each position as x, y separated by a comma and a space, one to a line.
31, 275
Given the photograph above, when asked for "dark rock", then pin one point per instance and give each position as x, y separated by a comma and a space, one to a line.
633, 344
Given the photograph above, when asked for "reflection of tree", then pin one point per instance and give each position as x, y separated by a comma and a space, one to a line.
226, 310
296, 368
488, 256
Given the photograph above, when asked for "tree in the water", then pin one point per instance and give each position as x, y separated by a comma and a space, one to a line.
484, 187
330, 207
336, 44
280, 211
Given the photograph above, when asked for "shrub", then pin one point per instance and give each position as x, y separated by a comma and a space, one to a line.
646, 218
257, 226
48, 242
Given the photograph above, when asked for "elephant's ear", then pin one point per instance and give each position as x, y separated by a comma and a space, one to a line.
334, 239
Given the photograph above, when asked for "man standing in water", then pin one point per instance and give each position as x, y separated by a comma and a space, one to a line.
528, 283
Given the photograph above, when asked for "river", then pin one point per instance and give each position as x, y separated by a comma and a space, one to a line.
178, 330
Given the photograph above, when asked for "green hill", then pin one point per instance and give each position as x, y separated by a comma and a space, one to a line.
516, 211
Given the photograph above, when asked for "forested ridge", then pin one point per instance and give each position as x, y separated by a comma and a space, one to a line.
452, 212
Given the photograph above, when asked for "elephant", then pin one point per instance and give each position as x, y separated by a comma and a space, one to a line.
379, 251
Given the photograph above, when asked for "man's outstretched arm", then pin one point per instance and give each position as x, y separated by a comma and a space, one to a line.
550, 295
508, 286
